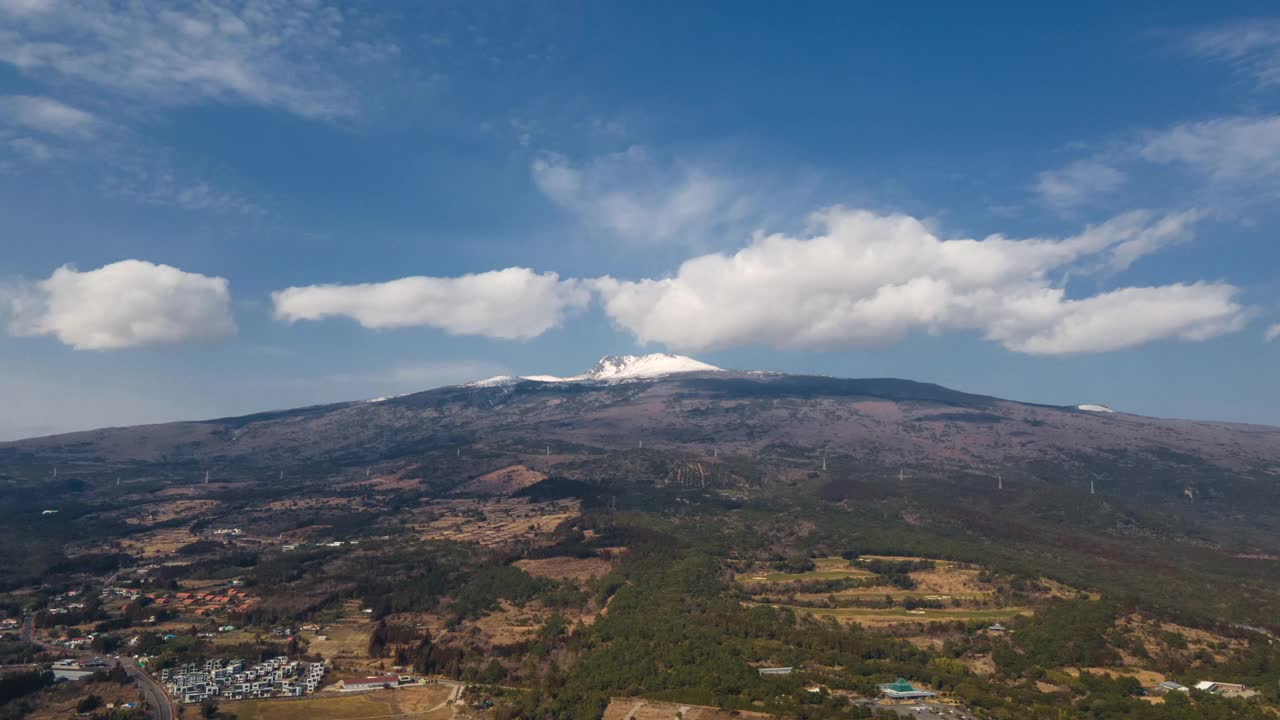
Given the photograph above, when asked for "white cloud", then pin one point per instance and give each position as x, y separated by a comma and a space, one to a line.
1044, 323
867, 280
46, 115
131, 303
1078, 182
639, 197
1225, 150
1273, 332
25, 7
1250, 47
515, 303
270, 53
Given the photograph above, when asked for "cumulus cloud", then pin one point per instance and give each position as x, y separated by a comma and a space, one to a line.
639, 197
1078, 182
866, 280
131, 303
1273, 332
270, 53
515, 303
45, 115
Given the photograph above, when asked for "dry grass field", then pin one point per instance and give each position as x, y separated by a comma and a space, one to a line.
422, 702
152, 513
158, 543
566, 568
502, 482
828, 568
637, 709
898, 616
344, 641
494, 522
63, 704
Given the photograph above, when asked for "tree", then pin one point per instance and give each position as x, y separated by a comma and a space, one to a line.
88, 704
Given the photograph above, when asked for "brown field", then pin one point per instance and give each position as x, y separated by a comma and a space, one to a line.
345, 640
566, 568
637, 709
510, 625
502, 482
828, 568
1148, 678
882, 617
1150, 632
158, 542
320, 502
62, 702
426, 702
151, 513
494, 522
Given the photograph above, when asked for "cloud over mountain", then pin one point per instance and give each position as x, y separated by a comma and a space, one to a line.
866, 280
131, 303
515, 303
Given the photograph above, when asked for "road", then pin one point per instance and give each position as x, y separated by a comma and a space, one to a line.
161, 706
28, 632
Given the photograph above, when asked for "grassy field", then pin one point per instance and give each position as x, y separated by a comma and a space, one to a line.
426, 702
829, 568
904, 615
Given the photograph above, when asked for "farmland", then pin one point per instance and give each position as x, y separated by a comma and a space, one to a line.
424, 702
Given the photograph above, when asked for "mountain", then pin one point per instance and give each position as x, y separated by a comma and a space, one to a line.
768, 426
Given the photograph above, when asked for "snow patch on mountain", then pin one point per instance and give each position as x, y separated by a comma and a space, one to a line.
613, 368
1095, 408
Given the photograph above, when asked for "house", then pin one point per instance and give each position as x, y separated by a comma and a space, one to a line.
371, 683
1169, 686
774, 670
998, 628
903, 690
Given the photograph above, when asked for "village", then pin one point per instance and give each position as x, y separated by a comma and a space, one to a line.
232, 680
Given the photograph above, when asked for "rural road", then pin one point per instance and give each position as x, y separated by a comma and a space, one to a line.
161, 707
28, 632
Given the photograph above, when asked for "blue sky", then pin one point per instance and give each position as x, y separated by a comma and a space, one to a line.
215, 208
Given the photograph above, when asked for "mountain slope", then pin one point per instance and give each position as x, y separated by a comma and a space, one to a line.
780, 423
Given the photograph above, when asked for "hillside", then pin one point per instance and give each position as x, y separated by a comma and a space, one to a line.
865, 428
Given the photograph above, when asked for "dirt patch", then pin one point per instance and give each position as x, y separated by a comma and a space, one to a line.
566, 568
502, 482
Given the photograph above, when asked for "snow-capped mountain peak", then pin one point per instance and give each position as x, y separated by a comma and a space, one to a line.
619, 367
614, 368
